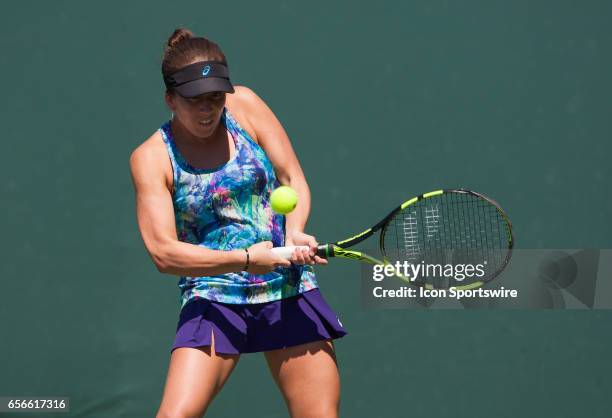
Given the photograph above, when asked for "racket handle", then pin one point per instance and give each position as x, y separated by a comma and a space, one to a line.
287, 252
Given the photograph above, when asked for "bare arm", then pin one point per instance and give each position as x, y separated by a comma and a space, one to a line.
156, 222
274, 140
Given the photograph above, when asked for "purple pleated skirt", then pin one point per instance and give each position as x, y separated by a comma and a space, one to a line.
250, 328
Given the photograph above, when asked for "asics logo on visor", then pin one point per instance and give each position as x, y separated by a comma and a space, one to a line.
206, 70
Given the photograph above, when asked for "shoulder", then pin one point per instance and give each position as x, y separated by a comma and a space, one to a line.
245, 105
149, 150
150, 160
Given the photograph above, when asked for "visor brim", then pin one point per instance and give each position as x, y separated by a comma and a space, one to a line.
204, 85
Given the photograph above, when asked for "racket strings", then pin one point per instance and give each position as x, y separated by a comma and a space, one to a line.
411, 235
452, 227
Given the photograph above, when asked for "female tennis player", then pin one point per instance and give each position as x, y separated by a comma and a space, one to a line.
203, 182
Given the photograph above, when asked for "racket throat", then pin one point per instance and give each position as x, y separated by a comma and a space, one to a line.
326, 250
331, 250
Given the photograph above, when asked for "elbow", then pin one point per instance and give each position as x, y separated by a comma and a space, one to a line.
161, 259
161, 263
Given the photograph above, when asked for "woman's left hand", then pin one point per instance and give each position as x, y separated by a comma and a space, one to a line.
305, 256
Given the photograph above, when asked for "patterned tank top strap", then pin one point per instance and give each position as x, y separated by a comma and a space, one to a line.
235, 129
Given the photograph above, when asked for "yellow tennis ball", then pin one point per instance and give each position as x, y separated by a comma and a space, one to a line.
283, 199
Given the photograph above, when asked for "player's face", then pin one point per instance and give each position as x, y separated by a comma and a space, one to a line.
200, 115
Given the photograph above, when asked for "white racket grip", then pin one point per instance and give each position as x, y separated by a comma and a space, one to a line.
287, 252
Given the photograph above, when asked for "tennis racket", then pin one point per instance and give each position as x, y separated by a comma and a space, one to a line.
451, 227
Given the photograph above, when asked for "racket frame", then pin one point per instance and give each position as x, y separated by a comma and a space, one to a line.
340, 248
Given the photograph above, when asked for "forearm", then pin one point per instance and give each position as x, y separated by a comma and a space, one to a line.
184, 259
296, 220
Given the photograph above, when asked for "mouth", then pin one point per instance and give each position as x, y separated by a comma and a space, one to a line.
205, 122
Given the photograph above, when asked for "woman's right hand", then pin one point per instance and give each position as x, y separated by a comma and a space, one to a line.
262, 260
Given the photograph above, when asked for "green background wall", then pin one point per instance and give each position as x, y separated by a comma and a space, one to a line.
510, 98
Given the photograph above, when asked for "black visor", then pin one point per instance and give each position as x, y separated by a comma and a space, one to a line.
199, 78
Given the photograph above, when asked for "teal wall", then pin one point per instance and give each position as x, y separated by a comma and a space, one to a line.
382, 100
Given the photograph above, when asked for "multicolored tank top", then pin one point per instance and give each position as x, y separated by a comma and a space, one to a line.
228, 208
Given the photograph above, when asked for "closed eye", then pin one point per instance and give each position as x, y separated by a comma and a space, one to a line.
216, 96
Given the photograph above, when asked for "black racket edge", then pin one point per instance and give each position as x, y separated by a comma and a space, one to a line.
510, 234
509, 231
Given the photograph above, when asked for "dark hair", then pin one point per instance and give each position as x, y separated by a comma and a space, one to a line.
183, 48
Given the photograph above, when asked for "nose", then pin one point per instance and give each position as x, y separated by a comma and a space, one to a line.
206, 107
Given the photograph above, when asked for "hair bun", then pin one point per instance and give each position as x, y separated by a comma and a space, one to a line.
179, 35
